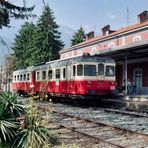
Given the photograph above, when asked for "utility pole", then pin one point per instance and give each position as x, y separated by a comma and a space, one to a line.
127, 18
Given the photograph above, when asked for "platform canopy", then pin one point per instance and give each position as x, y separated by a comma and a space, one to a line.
135, 50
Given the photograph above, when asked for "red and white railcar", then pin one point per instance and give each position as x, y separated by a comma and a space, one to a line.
74, 77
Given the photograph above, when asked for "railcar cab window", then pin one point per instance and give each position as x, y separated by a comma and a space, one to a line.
100, 69
43, 75
49, 74
90, 70
57, 73
79, 70
110, 70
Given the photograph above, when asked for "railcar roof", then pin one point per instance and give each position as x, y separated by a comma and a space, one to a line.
64, 62
74, 60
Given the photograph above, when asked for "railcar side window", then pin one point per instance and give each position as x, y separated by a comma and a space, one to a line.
21, 77
79, 70
15, 78
74, 70
28, 76
49, 74
90, 70
43, 75
64, 73
24, 77
18, 77
57, 73
100, 69
38, 76
110, 70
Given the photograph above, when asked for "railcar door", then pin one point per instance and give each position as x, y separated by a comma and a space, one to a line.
68, 78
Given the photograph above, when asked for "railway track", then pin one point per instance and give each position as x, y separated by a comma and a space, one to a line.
102, 132
89, 123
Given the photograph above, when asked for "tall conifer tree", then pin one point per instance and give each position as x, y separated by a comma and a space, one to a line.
21, 45
78, 37
47, 42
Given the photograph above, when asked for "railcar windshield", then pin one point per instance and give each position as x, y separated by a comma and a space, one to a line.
100, 69
90, 70
110, 71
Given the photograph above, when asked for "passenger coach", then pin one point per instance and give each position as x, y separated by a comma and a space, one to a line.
76, 77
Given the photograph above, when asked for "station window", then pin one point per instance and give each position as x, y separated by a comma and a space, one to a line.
28, 76
110, 70
100, 69
74, 70
57, 73
90, 70
49, 74
24, 77
137, 38
80, 70
64, 73
43, 75
38, 76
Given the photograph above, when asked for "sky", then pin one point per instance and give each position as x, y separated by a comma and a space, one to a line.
92, 15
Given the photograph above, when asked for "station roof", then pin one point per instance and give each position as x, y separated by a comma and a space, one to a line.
135, 50
99, 38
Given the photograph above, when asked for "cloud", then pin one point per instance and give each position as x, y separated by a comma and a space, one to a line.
111, 16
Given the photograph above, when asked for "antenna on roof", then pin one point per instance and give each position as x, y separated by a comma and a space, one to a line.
127, 11
24, 3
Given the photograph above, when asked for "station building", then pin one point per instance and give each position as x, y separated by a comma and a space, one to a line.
127, 45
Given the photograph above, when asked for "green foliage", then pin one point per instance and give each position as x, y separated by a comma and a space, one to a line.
38, 43
22, 43
78, 37
8, 10
34, 132
22, 129
9, 111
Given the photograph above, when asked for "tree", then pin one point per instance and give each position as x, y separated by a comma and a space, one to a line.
8, 10
37, 43
21, 45
78, 37
47, 42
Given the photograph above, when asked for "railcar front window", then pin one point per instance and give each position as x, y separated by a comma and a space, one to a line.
80, 70
90, 70
110, 70
100, 69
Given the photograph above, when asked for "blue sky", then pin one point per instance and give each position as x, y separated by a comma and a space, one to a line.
91, 14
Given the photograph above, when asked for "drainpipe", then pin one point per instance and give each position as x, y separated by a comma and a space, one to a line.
126, 74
